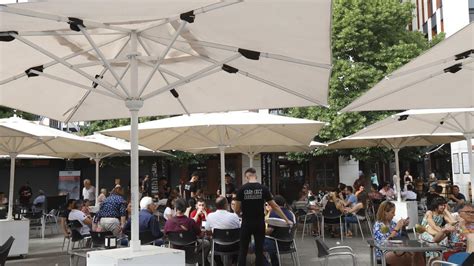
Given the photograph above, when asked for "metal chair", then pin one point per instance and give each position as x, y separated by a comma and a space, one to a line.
5, 249
186, 241
460, 259
225, 238
284, 238
325, 252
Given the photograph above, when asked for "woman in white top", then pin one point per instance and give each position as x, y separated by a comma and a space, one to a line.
170, 210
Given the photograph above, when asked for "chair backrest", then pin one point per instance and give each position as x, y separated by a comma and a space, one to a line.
184, 238
75, 224
226, 236
462, 258
146, 237
323, 249
98, 238
5, 249
284, 234
330, 211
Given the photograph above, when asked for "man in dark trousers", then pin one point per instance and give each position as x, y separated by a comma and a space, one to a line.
251, 198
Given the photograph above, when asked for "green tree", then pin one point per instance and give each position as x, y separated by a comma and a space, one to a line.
369, 40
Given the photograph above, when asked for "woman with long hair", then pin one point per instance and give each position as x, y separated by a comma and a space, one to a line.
385, 229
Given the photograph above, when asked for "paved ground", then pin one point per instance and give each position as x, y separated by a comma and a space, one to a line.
48, 252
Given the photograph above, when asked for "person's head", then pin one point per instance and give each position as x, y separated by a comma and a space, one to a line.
199, 193
432, 176
374, 187
467, 213
77, 205
200, 204
221, 203
386, 186
438, 189
87, 203
228, 179
103, 191
333, 196
251, 174
348, 190
438, 204
129, 208
146, 177
341, 186
146, 203
195, 176
87, 183
407, 172
305, 189
233, 204
170, 202
117, 190
40, 192
280, 200
386, 211
181, 206
410, 187
455, 190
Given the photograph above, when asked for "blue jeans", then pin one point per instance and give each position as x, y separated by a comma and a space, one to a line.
350, 219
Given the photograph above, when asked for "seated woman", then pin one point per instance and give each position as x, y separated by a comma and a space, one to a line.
357, 209
333, 207
435, 218
385, 229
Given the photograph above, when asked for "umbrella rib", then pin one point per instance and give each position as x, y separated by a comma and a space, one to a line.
104, 60
60, 33
189, 78
262, 54
196, 11
35, 144
52, 63
57, 18
162, 57
280, 87
104, 84
419, 68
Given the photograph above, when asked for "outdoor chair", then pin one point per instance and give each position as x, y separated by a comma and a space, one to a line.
331, 215
146, 238
187, 241
5, 249
284, 238
76, 236
51, 219
459, 259
228, 240
325, 252
36, 221
361, 216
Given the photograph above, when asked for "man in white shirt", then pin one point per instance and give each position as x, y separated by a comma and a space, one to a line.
223, 219
77, 214
408, 194
88, 192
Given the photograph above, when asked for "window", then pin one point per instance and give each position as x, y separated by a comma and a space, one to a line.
471, 14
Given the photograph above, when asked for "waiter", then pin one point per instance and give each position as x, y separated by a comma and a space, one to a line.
251, 198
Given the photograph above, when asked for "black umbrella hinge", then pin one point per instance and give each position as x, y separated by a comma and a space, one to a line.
464, 55
175, 93
229, 69
7, 36
74, 23
30, 74
249, 54
188, 16
94, 84
453, 69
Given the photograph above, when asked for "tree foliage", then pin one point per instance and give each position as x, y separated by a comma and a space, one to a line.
369, 40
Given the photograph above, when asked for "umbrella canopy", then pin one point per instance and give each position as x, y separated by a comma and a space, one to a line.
245, 132
22, 136
456, 120
442, 77
395, 133
91, 60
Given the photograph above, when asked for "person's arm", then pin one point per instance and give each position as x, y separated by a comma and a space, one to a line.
443, 233
356, 208
87, 221
155, 227
278, 211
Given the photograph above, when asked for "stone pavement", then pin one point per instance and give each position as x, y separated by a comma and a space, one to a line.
48, 252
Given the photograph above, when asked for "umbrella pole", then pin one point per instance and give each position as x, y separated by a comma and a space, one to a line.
222, 157
97, 187
12, 179
471, 162
397, 170
134, 104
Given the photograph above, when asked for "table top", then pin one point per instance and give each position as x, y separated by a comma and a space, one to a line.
405, 245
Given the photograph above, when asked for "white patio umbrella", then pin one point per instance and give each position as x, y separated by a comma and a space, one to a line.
457, 120
123, 148
19, 136
442, 77
91, 60
394, 134
245, 132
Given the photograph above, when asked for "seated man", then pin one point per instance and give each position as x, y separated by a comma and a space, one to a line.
222, 219
38, 202
181, 223
200, 213
457, 198
77, 214
148, 222
269, 244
